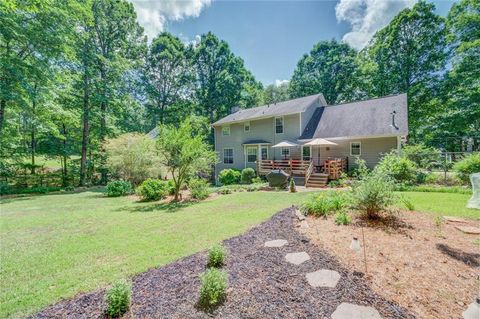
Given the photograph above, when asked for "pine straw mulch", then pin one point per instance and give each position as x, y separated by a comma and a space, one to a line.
261, 283
432, 271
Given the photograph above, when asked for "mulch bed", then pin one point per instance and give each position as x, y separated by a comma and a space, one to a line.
261, 283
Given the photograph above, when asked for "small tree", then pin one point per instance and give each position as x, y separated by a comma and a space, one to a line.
133, 157
184, 152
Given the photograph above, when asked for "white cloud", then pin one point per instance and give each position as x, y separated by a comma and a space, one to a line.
280, 82
154, 14
367, 16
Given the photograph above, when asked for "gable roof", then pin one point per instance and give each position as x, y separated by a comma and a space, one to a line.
364, 118
278, 109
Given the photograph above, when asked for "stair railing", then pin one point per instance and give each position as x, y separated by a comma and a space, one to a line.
308, 172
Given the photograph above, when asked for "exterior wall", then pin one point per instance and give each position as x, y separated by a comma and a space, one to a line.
263, 129
372, 150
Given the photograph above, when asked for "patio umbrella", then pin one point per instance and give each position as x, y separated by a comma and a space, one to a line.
319, 142
285, 144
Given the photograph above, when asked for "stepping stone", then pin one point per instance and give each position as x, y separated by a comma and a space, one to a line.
297, 258
454, 219
351, 311
469, 229
276, 243
304, 224
323, 278
299, 214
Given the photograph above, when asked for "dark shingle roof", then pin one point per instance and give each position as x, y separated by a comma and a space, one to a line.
365, 118
282, 108
309, 130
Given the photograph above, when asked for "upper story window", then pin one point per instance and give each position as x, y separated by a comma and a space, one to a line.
225, 130
246, 127
228, 156
355, 148
278, 125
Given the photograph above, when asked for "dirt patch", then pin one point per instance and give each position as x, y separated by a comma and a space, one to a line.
430, 270
262, 283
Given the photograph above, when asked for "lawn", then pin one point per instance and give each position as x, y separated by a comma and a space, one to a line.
55, 246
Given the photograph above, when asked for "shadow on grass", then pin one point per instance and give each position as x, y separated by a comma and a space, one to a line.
169, 207
18, 197
469, 259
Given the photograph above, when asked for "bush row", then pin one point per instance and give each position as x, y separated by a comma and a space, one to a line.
232, 176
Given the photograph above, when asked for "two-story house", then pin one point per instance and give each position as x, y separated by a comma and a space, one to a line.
305, 135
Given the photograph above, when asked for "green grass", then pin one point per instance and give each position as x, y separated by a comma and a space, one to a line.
449, 204
55, 246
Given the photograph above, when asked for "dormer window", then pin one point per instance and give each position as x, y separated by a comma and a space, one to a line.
279, 125
226, 130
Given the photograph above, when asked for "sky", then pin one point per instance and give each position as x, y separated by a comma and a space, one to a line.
272, 36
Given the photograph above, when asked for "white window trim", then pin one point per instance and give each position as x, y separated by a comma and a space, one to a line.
360, 144
229, 132
275, 124
310, 151
263, 147
223, 155
245, 126
256, 152
281, 152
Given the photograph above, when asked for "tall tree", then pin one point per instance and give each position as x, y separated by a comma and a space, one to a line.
329, 68
405, 57
276, 93
168, 75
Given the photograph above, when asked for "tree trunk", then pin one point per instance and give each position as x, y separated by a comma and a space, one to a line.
64, 157
33, 147
86, 130
103, 129
3, 104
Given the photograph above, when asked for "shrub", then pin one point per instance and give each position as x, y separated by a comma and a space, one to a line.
118, 299
469, 165
171, 187
324, 204
248, 174
408, 204
292, 186
342, 218
399, 168
257, 180
229, 176
423, 156
216, 256
118, 188
373, 194
153, 189
213, 287
224, 191
198, 188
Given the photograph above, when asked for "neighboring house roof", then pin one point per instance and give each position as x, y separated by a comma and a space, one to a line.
249, 142
364, 118
278, 109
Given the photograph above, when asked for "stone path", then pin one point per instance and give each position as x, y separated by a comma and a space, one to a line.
325, 278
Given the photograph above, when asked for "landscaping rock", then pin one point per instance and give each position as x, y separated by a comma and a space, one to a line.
450, 219
304, 224
276, 243
323, 278
299, 215
469, 229
297, 258
351, 311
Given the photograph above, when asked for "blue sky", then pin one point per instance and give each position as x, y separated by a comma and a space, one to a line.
271, 36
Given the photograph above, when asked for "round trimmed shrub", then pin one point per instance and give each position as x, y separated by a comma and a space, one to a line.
469, 165
118, 188
216, 256
153, 189
229, 176
248, 174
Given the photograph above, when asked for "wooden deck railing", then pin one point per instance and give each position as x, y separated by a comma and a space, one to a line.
297, 167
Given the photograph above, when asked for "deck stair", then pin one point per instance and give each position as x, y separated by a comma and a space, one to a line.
317, 180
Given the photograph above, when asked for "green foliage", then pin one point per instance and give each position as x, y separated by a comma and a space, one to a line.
276, 93
292, 186
433, 189
342, 218
153, 189
198, 188
407, 203
325, 204
257, 180
184, 152
229, 189
118, 299
373, 194
399, 168
118, 188
229, 176
133, 157
468, 165
216, 256
423, 156
213, 289
248, 174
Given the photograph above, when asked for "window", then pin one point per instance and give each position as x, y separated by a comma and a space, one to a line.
355, 148
264, 154
306, 153
278, 125
228, 155
246, 127
226, 130
285, 152
251, 154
